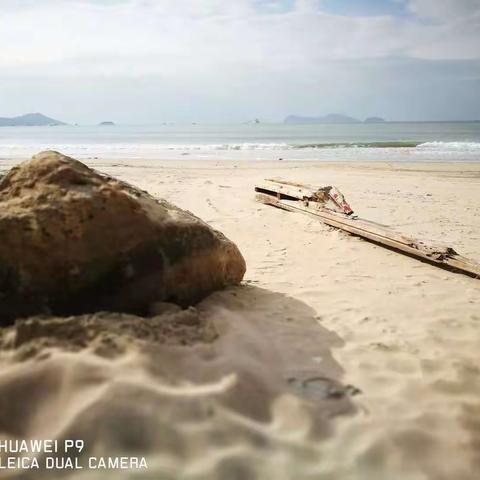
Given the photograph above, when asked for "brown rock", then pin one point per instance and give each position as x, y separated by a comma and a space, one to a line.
75, 241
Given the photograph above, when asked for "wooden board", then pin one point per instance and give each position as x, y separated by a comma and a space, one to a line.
439, 255
291, 189
328, 197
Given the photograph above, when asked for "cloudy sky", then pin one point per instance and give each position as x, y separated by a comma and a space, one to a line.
148, 61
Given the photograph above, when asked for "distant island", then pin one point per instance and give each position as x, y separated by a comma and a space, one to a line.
375, 120
106, 124
331, 118
29, 120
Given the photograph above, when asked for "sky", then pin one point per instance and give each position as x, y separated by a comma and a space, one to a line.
151, 61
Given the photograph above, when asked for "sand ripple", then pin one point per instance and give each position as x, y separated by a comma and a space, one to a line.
227, 390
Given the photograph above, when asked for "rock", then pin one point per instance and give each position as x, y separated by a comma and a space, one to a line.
75, 241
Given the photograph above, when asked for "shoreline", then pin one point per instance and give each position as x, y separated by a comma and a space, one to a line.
8, 162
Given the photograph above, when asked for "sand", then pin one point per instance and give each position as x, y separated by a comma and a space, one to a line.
379, 351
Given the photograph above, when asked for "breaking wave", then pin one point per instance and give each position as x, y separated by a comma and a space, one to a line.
388, 144
382, 150
450, 146
114, 146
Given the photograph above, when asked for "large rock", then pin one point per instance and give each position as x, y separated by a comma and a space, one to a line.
75, 241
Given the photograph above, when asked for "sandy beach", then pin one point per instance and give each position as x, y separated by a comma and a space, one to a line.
180, 296
409, 331
403, 335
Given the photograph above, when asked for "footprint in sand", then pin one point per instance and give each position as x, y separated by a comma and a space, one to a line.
212, 206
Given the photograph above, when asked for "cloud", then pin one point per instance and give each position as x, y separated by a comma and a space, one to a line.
281, 52
181, 34
445, 9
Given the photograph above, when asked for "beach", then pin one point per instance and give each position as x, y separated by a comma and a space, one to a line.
408, 331
240, 240
401, 334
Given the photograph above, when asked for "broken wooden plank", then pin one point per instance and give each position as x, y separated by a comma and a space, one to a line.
439, 255
326, 197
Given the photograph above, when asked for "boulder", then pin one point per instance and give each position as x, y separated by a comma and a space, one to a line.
73, 240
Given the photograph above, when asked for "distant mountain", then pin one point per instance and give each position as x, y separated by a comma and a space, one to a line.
330, 118
106, 124
374, 120
29, 120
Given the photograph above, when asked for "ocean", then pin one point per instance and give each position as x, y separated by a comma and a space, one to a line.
396, 141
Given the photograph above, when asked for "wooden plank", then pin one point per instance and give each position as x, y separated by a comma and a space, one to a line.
327, 197
291, 189
436, 254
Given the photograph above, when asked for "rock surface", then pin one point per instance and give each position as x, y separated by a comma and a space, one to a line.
75, 241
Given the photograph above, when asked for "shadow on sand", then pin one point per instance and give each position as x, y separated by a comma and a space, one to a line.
266, 374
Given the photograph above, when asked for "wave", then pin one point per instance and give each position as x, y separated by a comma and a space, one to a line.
450, 146
117, 146
438, 146
348, 151
389, 144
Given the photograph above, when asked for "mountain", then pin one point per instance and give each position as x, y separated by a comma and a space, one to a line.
29, 120
374, 120
330, 118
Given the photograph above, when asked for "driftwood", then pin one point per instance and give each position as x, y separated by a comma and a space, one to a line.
328, 205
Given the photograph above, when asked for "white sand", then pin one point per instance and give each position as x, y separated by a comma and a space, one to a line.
406, 333
411, 330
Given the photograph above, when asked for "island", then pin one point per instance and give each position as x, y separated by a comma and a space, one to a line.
30, 120
331, 118
374, 120
106, 124
335, 118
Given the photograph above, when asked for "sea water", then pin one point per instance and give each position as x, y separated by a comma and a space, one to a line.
415, 141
